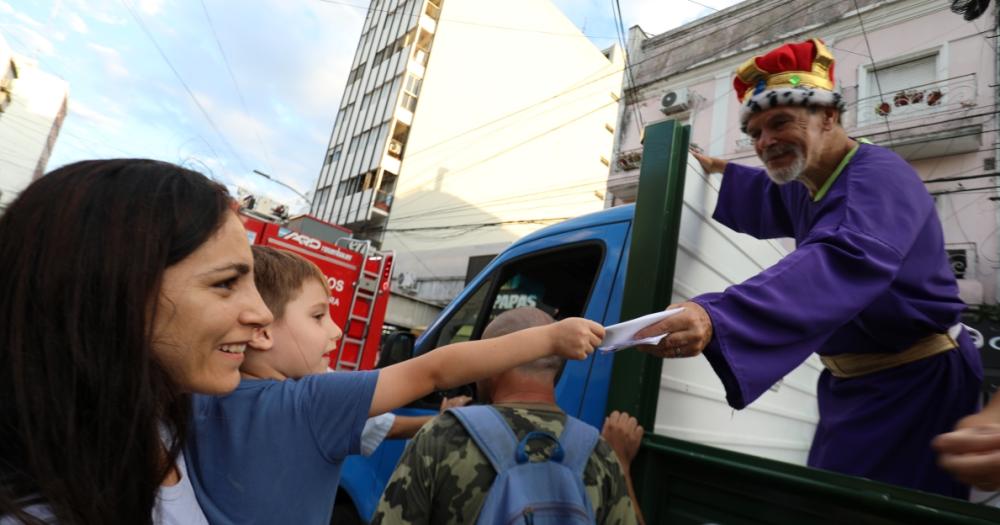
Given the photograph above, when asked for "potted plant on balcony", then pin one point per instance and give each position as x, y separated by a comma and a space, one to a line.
934, 97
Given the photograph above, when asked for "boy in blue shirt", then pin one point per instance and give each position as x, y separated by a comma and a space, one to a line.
271, 451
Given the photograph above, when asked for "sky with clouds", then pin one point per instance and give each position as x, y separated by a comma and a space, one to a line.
226, 87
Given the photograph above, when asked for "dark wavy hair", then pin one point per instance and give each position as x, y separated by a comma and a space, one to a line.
83, 402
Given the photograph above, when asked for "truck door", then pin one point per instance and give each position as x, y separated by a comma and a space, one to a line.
569, 274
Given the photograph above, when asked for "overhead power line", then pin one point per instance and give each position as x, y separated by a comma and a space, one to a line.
180, 80
476, 224
871, 59
965, 190
236, 84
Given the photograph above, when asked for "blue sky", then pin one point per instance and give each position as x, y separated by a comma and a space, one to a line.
289, 58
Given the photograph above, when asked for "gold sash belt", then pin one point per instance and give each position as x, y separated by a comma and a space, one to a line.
856, 365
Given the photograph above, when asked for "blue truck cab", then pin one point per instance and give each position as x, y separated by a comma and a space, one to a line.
571, 269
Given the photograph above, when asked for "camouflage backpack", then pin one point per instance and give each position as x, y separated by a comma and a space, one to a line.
532, 493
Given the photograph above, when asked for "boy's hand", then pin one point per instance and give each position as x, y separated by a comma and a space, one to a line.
972, 455
575, 338
454, 402
624, 433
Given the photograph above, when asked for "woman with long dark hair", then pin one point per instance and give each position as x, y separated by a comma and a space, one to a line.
125, 285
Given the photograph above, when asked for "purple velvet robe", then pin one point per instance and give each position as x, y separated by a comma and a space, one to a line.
869, 274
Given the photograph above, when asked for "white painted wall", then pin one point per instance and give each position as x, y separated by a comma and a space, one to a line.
510, 126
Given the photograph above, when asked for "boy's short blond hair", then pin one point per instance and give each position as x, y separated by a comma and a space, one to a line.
280, 275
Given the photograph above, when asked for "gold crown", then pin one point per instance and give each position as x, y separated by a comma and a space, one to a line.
819, 77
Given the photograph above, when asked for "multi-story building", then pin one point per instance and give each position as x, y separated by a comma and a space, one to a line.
32, 109
464, 125
917, 78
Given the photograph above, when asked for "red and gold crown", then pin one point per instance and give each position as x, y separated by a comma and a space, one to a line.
799, 74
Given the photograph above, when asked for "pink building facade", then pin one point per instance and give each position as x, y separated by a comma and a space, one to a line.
917, 78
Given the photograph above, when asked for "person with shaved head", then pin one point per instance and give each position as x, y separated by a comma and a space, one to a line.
444, 478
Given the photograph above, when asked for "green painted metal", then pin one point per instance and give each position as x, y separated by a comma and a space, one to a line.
649, 277
697, 484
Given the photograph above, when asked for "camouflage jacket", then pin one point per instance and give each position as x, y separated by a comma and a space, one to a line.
443, 478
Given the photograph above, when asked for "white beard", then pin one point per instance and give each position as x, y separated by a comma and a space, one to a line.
789, 173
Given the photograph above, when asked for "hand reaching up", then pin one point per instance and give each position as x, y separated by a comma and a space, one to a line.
454, 402
624, 433
709, 164
972, 455
575, 338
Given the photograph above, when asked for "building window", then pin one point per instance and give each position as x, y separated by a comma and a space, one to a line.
334, 154
411, 90
321, 196
5, 85
356, 73
392, 48
908, 87
362, 182
434, 9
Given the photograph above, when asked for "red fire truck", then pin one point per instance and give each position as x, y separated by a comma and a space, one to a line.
358, 277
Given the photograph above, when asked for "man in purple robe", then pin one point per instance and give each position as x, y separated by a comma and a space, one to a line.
868, 287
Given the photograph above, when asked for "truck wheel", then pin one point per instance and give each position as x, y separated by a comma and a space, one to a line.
344, 513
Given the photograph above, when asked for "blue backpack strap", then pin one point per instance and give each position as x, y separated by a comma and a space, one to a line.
491, 433
578, 440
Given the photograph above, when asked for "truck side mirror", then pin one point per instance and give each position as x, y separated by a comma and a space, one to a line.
396, 347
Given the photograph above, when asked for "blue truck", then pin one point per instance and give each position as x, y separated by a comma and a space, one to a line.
620, 263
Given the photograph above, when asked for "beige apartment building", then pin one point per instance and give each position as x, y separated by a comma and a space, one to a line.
465, 125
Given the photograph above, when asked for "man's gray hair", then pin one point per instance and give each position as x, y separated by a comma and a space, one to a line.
519, 319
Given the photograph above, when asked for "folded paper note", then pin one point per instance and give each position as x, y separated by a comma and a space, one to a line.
622, 335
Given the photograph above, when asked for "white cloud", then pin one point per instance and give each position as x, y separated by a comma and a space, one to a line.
78, 24
246, 133
112, 59
27, 41
5, 8
657, 16
107, 18
151, 7
25, 19
99, 119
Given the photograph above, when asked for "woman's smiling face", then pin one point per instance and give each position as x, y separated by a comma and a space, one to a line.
208, 309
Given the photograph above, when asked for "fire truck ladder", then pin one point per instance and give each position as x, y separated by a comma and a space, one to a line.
366, 289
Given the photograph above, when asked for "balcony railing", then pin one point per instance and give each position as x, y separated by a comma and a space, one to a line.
383, 201
917, 101
628, 160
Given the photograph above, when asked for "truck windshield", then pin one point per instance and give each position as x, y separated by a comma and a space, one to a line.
556, 281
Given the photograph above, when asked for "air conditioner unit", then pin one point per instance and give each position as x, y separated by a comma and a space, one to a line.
406, 281
395, 147
674, 101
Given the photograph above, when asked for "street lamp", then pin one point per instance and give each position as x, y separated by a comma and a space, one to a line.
272, 179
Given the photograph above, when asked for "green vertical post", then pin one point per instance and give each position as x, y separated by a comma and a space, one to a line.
649, 284
649, 278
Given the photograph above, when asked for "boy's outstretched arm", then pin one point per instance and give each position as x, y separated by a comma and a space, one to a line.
461, 363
